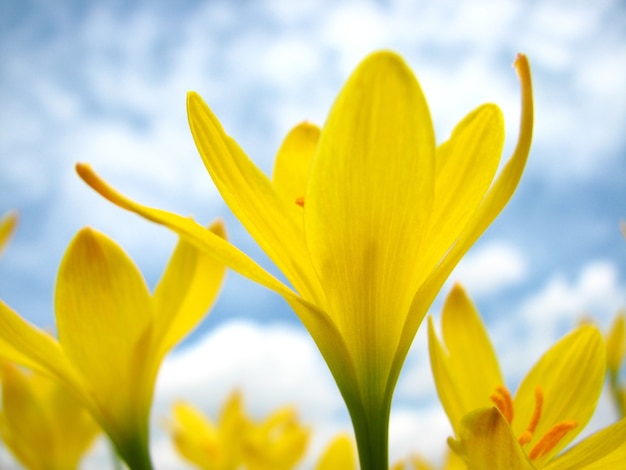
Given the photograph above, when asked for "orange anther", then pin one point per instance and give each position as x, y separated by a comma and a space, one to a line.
534, 420
551, 438
300, 201
503, 401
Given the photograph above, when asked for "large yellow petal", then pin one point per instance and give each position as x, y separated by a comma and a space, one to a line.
187, 289
570, 375
368, 201
605, 449
485, 442
104, 314
252, 198
495, 200
465, 366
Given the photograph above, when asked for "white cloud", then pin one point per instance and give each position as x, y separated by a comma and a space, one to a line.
490, 269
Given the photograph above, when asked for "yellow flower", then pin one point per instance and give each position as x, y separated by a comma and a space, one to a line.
615, 354
552, 405
339, 454
113, 333
276, 443
41, 423
365, 218
7, 225
206, 445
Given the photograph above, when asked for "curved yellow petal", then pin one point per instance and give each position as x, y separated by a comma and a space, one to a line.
187, 289
605, 449
293, 164
104, 313
7, 226
368, 200
339, 454
252, 198
485, 442
570, 375
494, 201
465, 366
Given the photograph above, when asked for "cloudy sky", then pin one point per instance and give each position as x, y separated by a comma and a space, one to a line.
105, 83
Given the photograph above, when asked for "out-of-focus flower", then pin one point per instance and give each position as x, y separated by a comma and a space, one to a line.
615, 354
237, 441
365, 218
339, 454
44, 426
113, 333
415, 462
552, 405
7, 225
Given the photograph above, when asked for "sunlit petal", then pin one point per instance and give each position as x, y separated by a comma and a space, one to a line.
339, 454
370, 192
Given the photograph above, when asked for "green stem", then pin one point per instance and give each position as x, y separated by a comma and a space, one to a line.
135, 453
371, 429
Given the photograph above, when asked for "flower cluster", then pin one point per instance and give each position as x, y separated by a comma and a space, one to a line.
365, 217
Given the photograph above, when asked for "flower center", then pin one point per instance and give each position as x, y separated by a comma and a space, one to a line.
504, 402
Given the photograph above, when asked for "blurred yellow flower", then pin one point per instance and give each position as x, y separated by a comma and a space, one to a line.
237, 441
339, 454
44, 426
615, 354
365, 218
7, 225
552, 405
113, 333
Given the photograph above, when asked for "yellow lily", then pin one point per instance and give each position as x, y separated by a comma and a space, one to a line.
113, 333
41, 423
276, 443
365, 218
552, 405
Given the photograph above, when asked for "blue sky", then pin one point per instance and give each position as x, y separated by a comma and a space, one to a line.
105, 83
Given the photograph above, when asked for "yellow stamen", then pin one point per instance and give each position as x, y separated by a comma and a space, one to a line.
551, 438
504, 402
300, 201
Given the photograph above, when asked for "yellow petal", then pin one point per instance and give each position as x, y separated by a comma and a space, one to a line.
465, 366
606, 449
187, 289
570, 375
339, 454
195, 438
252, 198
7, 225
486, 443
293, 163
104, 313
466, 166
369, 195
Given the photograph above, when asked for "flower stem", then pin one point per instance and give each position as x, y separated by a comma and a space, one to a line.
371, 429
